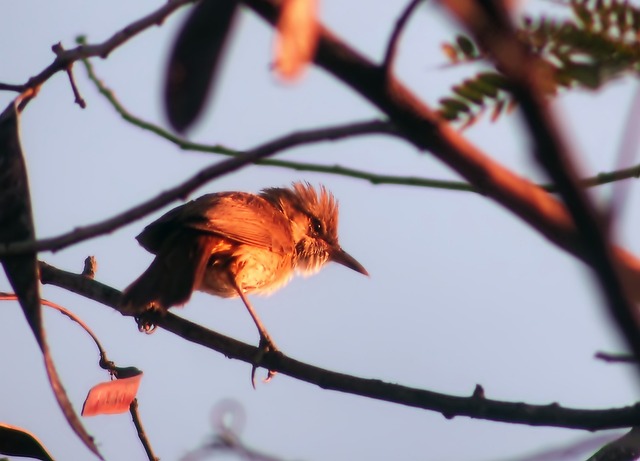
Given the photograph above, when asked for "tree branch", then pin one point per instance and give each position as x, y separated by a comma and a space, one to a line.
476, 406
142, 435
423, 127
491, 26
181, 190
65, 58
390, 54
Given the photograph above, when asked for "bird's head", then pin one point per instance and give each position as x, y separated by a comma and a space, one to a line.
314, 225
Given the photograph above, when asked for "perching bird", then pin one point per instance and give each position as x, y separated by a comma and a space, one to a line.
232, 243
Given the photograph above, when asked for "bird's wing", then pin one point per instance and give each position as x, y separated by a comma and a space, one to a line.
238, 216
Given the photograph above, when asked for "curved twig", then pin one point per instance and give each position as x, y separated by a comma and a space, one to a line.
392, 46
104, 363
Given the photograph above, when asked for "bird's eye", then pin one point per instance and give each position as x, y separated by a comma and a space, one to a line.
316, 225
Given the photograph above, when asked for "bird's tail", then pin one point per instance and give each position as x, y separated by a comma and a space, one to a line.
173, 274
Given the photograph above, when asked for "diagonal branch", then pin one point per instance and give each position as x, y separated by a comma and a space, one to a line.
423, 127
527, 76
476, 406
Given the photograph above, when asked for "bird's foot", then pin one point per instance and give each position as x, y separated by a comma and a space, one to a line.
266, 345
147, 320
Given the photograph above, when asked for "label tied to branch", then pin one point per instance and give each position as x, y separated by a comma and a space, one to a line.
111, 397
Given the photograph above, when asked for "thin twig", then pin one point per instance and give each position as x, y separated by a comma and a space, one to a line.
104, 363
390, 54
79, 100
627, 152
67, 57
450, 406
340, 131
615, 358
180, 191
142, 435
58, 50
68, 313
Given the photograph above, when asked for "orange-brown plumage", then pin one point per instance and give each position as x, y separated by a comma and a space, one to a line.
231, 243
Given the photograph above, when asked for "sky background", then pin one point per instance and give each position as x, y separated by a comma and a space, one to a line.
461, 292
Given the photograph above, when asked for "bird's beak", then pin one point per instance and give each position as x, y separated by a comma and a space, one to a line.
342, 257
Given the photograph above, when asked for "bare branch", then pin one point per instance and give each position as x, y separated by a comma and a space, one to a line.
180, 191
10, 87
476, 406
65, 58
58, 50
390, 54
142, 435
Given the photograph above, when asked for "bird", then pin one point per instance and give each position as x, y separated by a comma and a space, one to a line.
231, 244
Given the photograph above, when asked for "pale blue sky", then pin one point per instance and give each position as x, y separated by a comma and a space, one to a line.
461, 292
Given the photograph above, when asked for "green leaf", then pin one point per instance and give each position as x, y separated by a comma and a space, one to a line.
466, 46
494, 79
451, 108
469, 93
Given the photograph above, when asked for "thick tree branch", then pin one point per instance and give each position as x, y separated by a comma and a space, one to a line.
423, 127
476, 406
491, 26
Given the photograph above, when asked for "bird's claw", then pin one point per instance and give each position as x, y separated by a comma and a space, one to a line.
266, 345
145, 325
147, 320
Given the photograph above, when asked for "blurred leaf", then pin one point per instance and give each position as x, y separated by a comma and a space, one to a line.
469, 93
15, 441
16, 224
586, 75
112, 397
596, 43
450, 52
497, 110
451, 108
626, 448
482, 86
194, 60
466, 46
297, 37
494, 79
